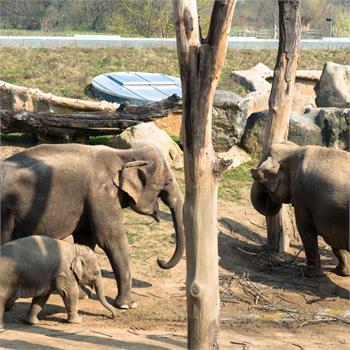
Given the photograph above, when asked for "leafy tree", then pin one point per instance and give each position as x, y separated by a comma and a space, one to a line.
144, 17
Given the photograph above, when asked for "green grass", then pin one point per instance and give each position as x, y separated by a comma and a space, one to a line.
66, 71
17, 139
236, 181
99, 140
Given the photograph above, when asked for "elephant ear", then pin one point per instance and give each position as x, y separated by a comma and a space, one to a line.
77, 267
132, 179
267, 174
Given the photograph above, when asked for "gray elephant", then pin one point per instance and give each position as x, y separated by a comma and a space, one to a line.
36, 266
316, 180
80, 190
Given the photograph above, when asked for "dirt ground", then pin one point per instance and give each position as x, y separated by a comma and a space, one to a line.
266, 302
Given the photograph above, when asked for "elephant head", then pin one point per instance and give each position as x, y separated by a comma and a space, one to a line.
145, 182
271, 186
87, 271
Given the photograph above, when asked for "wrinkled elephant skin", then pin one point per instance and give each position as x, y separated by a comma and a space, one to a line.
316, 181
36, 266
80, 190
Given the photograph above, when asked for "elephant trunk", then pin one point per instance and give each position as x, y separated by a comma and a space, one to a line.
174, 200
101, 296
261, 200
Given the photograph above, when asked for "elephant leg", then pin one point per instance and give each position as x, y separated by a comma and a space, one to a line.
3, 302
84, 238
7, 225
116, 250
10, 304
36, 306
343, 268
309, 238
106, 218
69, 292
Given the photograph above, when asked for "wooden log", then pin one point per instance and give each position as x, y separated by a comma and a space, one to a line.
200, 62
280, 103
69, 126
21, 99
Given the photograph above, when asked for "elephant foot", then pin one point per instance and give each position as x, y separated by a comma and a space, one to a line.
31, 320
313, 271
74, 319
122, 304
342, 270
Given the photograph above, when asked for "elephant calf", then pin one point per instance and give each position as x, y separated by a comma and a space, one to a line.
36, 266
316, 181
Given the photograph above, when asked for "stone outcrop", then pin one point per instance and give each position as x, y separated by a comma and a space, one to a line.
318, 126
259, 79
302, 130
230, 114
235, 154
334, 125
333, 89
149, 133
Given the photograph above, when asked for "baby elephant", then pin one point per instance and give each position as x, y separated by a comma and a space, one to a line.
36, 266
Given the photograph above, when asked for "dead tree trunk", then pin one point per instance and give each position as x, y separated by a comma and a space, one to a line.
280, 103
66, 127
200, 62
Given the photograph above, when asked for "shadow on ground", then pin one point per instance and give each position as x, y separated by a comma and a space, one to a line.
284, 271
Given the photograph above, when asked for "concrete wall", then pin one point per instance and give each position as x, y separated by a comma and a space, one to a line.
101, 41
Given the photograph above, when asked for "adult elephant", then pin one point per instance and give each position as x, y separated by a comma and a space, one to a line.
316, 180
80, 190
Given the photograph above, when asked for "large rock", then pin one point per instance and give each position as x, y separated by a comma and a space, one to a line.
334, 124
235, 154
230, 114
302, 130
333, 89
149, 133
229, 119
259, 77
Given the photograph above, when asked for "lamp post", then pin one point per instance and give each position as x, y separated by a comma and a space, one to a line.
329, 19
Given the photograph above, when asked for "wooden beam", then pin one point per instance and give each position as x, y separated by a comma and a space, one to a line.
200, 64
280, 103
69, 126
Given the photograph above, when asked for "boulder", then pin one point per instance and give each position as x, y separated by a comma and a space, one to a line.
229, 119
334, 125
333, 89
149, 133
302, 130
259, 77
230, 114
237, 155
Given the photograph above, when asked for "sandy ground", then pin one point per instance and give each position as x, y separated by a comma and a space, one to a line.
266, 302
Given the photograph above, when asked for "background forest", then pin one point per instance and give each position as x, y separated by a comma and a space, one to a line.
154, 18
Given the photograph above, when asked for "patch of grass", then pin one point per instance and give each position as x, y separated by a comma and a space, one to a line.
177, 140
233, 182
66, 71
99, 140
17, 139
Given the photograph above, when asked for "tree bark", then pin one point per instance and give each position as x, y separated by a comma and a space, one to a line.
70, 126
280, 103
200, 64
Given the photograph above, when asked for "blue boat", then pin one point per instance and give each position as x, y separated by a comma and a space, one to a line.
135, 88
